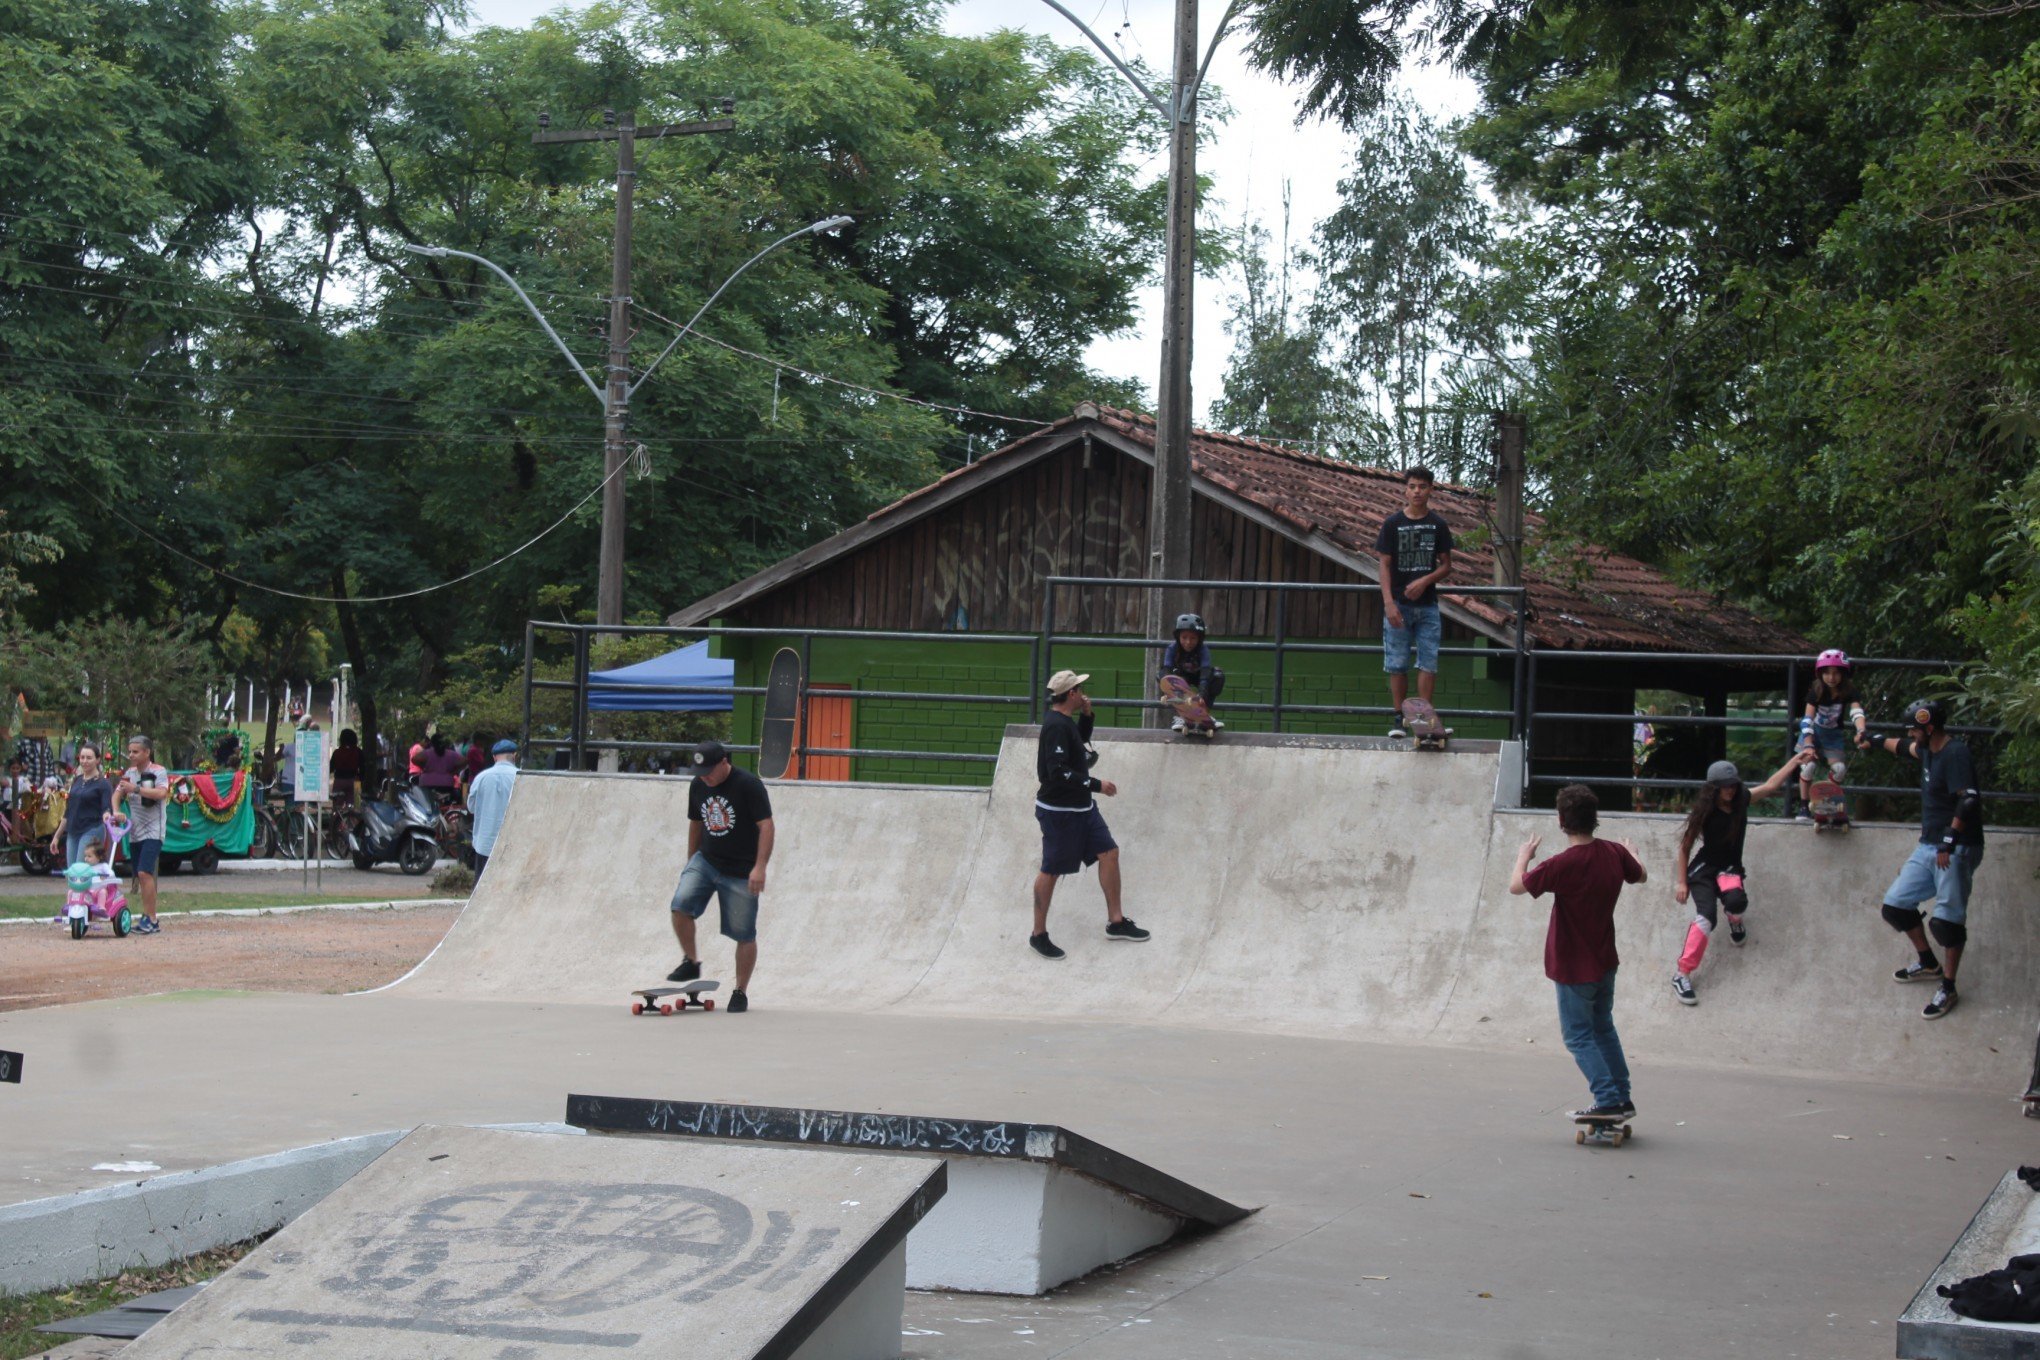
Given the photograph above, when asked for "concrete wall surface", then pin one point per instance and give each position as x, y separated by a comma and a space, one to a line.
51, 1243
1292, 886
2007, 1225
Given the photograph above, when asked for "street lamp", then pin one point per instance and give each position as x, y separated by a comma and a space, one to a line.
615, 410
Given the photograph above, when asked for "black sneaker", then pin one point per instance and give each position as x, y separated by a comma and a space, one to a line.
739, 1003
1125, 929
1943, 1002
1737, 932
1044, 946
1628, 1108
688, 971
1683, 989
1917, 972
1608, 1112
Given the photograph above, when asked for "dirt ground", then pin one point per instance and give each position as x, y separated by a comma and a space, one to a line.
310, 951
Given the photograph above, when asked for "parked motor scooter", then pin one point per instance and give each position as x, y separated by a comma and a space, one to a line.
400, 831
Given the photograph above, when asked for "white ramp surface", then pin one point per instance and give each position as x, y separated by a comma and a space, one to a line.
476, 1244
1303, 885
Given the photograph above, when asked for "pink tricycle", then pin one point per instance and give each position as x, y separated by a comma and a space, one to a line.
93, 893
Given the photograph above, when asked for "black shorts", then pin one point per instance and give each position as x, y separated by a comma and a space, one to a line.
1070, 840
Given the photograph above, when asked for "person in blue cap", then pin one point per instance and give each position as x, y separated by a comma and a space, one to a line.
489, 799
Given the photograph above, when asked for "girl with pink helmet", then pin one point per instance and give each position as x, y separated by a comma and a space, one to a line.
1831, 699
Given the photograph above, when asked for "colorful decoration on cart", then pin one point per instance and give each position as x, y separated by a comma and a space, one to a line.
203, 791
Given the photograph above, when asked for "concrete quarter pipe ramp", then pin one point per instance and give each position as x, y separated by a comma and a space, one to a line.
1323, 886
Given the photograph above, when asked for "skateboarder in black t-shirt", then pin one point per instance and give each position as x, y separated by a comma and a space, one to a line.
1073, 831
1941, 867
1416, 551
729, 842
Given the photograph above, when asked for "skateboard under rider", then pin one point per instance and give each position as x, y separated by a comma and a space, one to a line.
1421, 721
661, 1000
1178, 694
1601, 1130
782, 710
1829, 806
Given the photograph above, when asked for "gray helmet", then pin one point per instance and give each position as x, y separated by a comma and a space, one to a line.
1194, 622
1723, 772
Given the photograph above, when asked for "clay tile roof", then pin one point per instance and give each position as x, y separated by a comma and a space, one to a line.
1599, 600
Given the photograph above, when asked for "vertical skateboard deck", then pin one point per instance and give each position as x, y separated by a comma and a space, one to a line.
782, 709
1829, 806
667, 1000
1601, 1130
1189, 706
1423, 724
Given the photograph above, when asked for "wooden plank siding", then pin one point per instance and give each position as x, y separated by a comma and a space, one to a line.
979, 564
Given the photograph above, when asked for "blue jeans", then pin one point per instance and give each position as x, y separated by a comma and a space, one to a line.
1586, 1020
1919, 880
1420, 633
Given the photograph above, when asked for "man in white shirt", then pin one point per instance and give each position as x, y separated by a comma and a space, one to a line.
489, 799
143, 788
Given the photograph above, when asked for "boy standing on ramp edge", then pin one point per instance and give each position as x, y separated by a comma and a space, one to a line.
1584, 881
729, 841
1415, 547
1073, 831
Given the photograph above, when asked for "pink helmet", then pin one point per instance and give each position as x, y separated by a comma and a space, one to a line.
1833, 656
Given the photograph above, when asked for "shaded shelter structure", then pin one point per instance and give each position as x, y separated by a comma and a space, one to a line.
973, 553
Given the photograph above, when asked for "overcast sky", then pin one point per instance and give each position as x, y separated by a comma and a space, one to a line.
1256, 151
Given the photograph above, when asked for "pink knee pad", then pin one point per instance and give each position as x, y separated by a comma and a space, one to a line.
1696, 945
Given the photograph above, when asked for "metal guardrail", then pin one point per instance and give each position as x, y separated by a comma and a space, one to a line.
1282, 647
578, 740
1523, 715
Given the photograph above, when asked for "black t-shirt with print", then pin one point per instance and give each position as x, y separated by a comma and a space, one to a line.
1721, 839
729, 815
1417, 545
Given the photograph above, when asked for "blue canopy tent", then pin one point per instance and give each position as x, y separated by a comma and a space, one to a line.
649, 686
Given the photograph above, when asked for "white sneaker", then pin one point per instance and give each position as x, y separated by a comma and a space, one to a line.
1683, 990
1178, 725
1396, 733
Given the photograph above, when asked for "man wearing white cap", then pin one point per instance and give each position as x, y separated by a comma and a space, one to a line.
1073, 831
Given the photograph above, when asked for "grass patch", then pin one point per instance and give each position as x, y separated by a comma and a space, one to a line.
21, 1314
171, 901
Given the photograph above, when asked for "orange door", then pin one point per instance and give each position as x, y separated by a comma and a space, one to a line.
829, 722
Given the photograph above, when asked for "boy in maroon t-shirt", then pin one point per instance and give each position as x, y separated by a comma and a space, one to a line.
1579, 948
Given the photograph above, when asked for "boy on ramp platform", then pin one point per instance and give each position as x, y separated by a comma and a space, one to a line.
729, 843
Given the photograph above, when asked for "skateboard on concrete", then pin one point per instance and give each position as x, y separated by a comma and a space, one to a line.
1601, 1130
661, 1000
782, 711
1190, 707
1829, 806
1421, 721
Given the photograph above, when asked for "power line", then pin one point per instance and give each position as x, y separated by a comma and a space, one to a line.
840, 382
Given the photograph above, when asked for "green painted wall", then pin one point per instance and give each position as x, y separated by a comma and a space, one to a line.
968, 666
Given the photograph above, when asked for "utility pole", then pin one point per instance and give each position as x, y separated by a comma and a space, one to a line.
616, 392
1169, 503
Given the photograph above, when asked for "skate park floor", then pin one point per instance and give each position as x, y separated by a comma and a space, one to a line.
1754, 1213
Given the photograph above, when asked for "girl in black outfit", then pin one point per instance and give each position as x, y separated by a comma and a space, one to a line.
1713, 879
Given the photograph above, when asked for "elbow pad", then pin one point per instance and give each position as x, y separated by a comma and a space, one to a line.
1806, 727
1970, 809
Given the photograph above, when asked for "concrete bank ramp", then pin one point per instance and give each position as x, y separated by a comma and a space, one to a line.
1321, 886
477, 1244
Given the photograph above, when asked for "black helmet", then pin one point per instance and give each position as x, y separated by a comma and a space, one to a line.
1194, 622
1926, 713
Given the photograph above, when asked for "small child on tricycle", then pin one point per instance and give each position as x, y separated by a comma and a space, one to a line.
92, 889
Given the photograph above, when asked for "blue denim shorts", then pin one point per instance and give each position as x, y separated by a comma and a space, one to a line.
701, 880
1831, 743
1420, 623
1070, 840
144, 854
1919, 881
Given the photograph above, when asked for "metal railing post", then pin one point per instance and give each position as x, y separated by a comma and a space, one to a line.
1281, 634
580, 729
807, 656
530, 647
1033, 675
1516, 696
1529, 715
1047, 651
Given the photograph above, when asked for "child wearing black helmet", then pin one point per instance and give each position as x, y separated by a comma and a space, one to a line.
1943, 865
1189, 658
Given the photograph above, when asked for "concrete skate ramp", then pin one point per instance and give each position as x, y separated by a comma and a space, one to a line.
464, 1243
1325, 886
